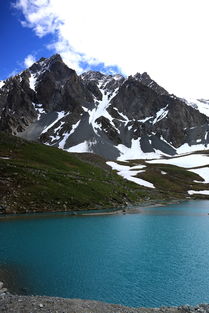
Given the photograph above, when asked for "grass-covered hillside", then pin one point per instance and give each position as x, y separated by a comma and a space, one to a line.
184, 176
39, 178
36, 177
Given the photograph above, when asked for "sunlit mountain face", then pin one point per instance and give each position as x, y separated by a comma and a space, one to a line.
114, 116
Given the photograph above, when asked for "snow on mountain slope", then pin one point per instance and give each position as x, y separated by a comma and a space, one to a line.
100, 110
202, 172
187, 161
60, 116
200, 192
160, 114
2, 83
128, 173
135, 152
32, 82
201, 105
101, 107
110, 115
80, 148
186, 148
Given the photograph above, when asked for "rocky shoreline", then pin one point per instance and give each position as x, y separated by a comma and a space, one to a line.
134, 209
39, 304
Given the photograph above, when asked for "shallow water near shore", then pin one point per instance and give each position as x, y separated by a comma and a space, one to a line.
156, 258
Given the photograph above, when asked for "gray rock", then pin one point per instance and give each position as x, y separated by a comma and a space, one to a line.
135, 109
36, 304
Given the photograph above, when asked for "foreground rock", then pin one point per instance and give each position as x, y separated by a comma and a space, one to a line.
3, 290
35, 304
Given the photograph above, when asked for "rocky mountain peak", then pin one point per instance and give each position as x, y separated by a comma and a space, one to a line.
146, 80
110, 115
55, 65
92, 75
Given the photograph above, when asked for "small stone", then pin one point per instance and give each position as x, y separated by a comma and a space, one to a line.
41, 305
3, 290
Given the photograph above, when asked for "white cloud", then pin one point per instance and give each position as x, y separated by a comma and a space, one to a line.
166, 38
29, 60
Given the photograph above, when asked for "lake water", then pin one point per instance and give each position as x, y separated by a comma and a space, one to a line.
159, 257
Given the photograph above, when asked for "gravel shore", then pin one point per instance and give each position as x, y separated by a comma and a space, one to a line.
37, 304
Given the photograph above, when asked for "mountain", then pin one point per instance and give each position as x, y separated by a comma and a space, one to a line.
109, 115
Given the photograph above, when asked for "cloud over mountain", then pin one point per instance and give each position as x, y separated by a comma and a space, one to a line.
168, 39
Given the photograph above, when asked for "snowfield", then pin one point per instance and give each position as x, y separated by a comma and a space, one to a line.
1, 83
32, 82
135, 152
81, 147
60, 116
128, 173
199, 104
187, 161
202, 192
202, 172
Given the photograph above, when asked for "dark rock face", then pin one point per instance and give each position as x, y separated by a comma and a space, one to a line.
16, 104
146, 80
136, 100
58, 87
94, 112
110, 131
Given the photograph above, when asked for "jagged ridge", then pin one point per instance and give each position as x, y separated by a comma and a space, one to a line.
110, 115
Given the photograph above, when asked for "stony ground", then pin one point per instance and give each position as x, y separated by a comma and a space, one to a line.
36, 304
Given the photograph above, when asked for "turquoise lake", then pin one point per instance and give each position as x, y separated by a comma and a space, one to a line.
156, 258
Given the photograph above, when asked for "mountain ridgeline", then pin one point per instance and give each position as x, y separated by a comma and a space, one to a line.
112, 116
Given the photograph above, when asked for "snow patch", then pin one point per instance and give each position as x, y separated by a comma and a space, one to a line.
126, 172
62, 142
74, 127
39, 109
117, 77
66, 135
187, 161
202, 192
185, 148
201, 105
101, 109
59, 127
202, 172
1, 83
161, 114
145, 119
60, 116
80, 148
122, 115
32, 82
135, 152
85, 109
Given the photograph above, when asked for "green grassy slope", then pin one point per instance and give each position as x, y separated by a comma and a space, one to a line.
41, 178
172, 181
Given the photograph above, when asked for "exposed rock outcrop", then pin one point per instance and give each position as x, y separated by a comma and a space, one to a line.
111, 115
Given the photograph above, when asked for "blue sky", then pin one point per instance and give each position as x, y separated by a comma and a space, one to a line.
17, 42
166, 39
